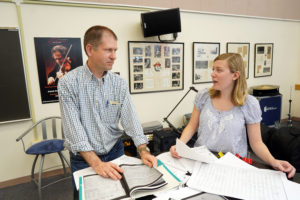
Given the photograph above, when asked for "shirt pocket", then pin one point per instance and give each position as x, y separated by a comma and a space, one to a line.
112, 113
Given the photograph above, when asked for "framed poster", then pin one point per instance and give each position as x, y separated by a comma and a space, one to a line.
155, 66
204, 54
55, 57
244, 50
263, 58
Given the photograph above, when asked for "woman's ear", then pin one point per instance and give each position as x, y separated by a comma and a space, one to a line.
236, 75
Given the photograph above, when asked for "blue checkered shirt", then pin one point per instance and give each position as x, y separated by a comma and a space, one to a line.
91, 109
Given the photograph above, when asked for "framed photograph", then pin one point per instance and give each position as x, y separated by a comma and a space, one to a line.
155, 66
244, 50
204, 54
263, 58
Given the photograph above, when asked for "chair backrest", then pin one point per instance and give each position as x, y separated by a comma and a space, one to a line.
44, 129
50, 128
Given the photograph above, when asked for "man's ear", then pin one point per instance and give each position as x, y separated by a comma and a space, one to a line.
236, 75
89, 48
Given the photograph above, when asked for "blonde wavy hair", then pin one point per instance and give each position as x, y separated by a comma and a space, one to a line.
235, 63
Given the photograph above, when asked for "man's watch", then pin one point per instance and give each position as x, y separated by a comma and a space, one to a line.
140, 150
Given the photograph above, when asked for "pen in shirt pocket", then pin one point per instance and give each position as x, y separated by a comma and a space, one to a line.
112, 103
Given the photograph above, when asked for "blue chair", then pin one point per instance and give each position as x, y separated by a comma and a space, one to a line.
48, 132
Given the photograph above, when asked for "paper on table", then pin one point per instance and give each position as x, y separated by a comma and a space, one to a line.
292, 189
238, 182
232, 160
201, 154
181, 193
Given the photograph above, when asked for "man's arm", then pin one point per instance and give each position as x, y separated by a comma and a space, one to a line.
133, 128
75, 134
105, 169
146, 156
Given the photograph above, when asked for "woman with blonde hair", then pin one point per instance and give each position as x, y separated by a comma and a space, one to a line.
226, 114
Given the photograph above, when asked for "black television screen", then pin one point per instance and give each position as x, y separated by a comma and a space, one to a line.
161, 22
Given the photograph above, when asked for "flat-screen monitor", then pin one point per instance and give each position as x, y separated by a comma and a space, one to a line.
161, 22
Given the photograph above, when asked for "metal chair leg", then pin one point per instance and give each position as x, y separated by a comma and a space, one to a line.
65, 159
33, 167
63, 163
40, 177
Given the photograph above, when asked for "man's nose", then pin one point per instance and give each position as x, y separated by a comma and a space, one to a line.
113, 55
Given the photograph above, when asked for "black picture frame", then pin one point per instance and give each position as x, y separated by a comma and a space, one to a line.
155, 66
263, 59
243, 48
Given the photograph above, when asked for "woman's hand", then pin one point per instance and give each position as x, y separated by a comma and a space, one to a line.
284, 166
173, 152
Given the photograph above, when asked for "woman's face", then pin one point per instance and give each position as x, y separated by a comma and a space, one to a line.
223, 78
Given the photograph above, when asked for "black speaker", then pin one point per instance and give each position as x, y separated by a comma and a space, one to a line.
161, 22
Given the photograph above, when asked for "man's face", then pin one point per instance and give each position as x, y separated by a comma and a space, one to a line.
104, 55
58, 57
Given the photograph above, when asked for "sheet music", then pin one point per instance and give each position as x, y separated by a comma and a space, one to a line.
121, 160
292, 190
139, 175
178, 194
232, 160
201, 154
243, 183
94, 191
172, 183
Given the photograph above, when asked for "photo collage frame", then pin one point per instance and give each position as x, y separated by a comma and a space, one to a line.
155, 66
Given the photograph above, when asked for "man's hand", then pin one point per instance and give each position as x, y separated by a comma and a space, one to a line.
105, 169
109, 170
51, 80
146, 157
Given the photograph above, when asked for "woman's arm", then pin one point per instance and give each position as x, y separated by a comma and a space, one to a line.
261, 150
192, 126
188, 131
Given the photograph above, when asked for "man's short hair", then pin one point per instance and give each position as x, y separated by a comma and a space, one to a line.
94, 34
60, 48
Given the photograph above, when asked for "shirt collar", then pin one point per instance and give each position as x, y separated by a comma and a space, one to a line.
91, 76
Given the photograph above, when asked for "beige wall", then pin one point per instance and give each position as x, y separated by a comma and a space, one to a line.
43, 21
282, 9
